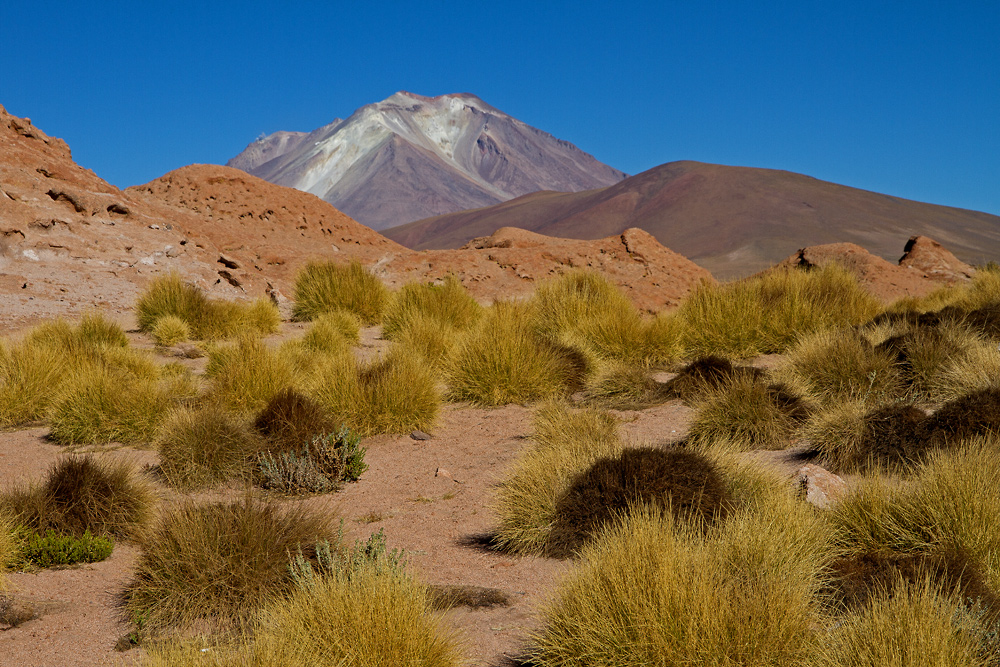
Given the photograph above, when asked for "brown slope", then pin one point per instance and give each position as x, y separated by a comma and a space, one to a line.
731, 220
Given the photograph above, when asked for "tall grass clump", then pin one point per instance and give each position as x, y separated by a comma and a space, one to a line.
428, 337
769, 312
218, 562
83, 493
748, 414
30, 376
333, 332
395, 394
502, 360
842, 365
448, 303
654, 591
975, 370
916, 626
323, 287
207, 319
170, 330
247, 374
205, 444
566, 443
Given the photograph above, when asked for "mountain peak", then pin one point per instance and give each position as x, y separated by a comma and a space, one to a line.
411, 156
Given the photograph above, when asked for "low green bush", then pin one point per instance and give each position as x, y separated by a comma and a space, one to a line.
53, 548
319, 466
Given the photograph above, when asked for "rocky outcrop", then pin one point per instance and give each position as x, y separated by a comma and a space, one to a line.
934, 261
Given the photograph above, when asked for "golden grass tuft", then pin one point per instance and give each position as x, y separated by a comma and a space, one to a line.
170, 330
9, 547
502, 360
203, 445
567, 442
395, 394
218, 562
449, 304
653, 591
247, 374
976, 370
747, 414
768, 312
30, 375
323, 287
842, 365
333, 332
916, 626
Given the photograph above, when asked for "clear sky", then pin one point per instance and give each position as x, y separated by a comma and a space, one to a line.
897, 97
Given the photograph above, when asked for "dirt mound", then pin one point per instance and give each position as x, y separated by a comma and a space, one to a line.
931, 259
510, 262
886, 281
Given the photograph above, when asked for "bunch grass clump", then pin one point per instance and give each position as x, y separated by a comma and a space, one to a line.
207, 319
769, 312
30, 376
218, 562
170, 330
448, 304
84, 494
502, 360
395, 394
205, 444
247, 374
323, 287
650, 590
853, 437
567, 442
333, 332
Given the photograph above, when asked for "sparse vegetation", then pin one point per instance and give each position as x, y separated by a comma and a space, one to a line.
323, 287
318, 466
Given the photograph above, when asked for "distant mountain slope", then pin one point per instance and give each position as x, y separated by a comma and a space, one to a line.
730, 220
409, 157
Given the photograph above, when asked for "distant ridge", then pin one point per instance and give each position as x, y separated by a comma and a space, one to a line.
731, 220
410, 157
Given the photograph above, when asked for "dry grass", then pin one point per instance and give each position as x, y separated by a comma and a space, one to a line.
218, 563
652, 591
567, 442
84, 493
748, 414
170, 330
916, 626
502, 360
448, 303
977, 369
247, 374
427, 337
395, 394
8, 549
333, 332
839, 365
323, 287
30, 376
853, 437
769, 312
205, 444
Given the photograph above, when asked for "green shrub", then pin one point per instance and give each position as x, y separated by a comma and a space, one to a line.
218, 562
323, 287
502, 360
205, 444
769, 312
81, 494
170, 330
318, 466
53, 549
448, 304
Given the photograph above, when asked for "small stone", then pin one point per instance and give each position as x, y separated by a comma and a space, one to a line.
172, 251
420, 435
818, 486
441, 472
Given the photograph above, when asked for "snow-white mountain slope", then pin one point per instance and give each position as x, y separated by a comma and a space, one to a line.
410, 157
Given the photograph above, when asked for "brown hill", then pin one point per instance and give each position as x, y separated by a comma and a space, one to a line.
730, 220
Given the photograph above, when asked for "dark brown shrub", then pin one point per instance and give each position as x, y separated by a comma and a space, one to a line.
976, 413
448, 596
81, 493
890, 436
704, 375
856, 579
684, 481
291, 421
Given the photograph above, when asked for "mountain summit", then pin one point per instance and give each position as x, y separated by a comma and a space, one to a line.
410, 157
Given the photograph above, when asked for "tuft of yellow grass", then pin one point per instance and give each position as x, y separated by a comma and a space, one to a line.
654, 591
323, 287
170, 330
247, 374
502, 360
746, 414
769, 312
333, 332
567, 442
448, 303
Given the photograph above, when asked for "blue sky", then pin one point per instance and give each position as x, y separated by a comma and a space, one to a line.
896, 97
